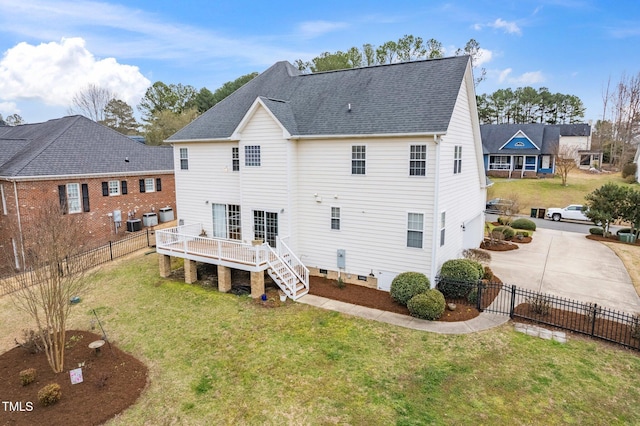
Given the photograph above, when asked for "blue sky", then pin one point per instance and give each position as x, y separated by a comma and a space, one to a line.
51, 49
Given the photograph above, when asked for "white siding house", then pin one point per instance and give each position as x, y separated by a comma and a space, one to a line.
362, 173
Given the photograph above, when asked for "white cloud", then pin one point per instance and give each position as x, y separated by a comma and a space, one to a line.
55, 72
8, 108
526, 79
508, 27
312, 29
484, 56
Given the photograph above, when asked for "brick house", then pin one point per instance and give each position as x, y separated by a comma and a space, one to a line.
91, 170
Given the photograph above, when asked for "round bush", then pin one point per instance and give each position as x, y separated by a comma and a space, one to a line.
408, 284
506, 231
50, 394
596, 231
523, 223
428, 305
458, 276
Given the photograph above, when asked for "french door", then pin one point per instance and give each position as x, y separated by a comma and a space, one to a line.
265, 226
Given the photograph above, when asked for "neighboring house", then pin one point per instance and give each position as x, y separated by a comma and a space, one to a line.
528, 150
92, 170
359, 174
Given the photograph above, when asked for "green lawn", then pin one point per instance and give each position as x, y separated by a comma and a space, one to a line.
549, 192
220, 359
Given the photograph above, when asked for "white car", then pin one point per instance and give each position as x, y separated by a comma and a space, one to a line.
572, 212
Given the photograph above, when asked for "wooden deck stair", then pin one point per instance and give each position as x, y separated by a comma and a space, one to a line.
288, 275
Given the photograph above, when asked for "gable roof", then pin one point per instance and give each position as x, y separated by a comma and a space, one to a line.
407, 97
75, 145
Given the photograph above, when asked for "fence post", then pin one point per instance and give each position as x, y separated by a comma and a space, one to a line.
513, 301
148, 243
479, 298
593, 322
110, 251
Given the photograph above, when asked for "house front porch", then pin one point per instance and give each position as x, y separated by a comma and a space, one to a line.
193, 245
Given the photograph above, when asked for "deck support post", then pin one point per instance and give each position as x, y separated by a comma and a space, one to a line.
224, 279
164, 263
190, 271
257, 284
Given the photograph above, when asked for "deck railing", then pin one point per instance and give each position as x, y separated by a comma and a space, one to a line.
295, 264
191, 240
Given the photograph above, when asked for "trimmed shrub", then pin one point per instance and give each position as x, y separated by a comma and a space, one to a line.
506, 231
523, 223
629, 170
477, 255
49, 394
27, 376
457, 276
472, 297
596, 231
408, 284
522, 234
506, 221
428, 305
488, 274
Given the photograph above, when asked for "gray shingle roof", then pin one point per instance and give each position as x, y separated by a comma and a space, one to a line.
545, 136
75, 145
409, 97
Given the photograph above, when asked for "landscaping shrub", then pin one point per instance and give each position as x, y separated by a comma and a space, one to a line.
629, 170
408, 284
488, 274
522, 234
49, 394
506, 221
472, 297
457, 276
428, 305
523, 223
477, 255
31, 342
506, 231
596, 231
27, 376
540, 304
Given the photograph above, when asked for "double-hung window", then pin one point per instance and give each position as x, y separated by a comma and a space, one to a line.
184, 159
114, 187
235, 159
149, 185
358, 159
335, 218
74, 205
415, 229
457, 159
418, 160
443, 216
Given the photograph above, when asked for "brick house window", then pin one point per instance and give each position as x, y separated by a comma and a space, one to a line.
150, 185
114, 187
71, 197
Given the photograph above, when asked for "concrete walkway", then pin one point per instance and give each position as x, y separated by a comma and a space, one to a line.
484, 321
567, 264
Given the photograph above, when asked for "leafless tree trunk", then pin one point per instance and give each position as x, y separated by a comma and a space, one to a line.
566, 159
625, 118
91, 102
52, 277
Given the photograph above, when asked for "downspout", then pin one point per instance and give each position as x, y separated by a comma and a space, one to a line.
15, 192
435, 239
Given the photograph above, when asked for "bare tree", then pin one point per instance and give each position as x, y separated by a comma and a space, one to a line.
566, 159
91, 102
52, 276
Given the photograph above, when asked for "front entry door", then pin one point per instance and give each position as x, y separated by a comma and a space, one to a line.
265, 226
518, 162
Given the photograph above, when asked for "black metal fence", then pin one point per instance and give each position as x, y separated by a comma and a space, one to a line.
96, 256
589, 319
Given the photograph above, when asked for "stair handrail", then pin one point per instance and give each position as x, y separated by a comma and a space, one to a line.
293, 262
292, 290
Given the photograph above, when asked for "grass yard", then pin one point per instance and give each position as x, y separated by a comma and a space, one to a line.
221, 359
549, 192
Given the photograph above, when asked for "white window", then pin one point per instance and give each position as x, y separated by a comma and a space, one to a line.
443, 217
184, 159
457, 159
358, 159
226, 221
335, 218
252, 155
149, 185
235, 159
73, 198
4, 201
114, 187
417, 160
499, 162
415, 229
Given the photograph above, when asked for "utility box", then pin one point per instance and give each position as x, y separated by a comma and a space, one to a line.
149, 219
342, 261
134, 225
166, 214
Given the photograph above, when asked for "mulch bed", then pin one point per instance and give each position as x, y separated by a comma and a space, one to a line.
612, 239
112, 381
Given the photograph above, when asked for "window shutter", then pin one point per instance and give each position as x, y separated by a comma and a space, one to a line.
85, 198
158, 184
141, 185
62, 194
123, 187
105, 189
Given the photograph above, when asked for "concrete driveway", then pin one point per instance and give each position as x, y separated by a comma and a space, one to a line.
568, 265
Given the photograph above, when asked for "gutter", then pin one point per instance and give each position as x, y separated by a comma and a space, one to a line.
86, 175
310, 137
435, 236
